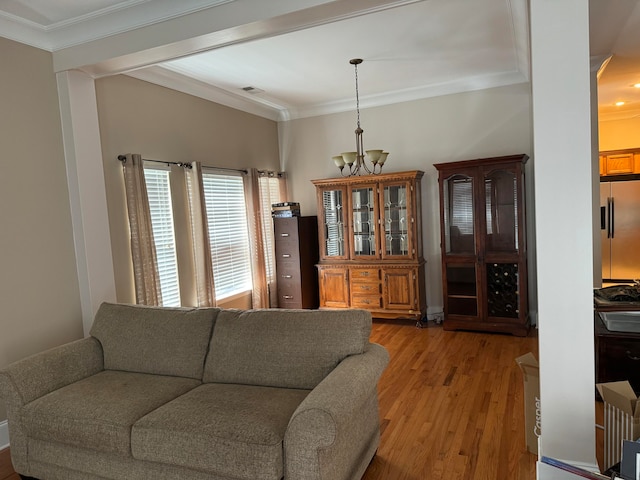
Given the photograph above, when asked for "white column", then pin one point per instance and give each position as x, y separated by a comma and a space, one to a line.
87, 194
561, 94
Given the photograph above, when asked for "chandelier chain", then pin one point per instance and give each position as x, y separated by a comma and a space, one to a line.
357, 96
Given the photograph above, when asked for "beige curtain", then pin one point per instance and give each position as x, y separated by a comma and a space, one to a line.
203, 266
255, 222
143, 250
260, 195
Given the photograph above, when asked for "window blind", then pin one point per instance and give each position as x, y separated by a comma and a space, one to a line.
157, 182
228, 233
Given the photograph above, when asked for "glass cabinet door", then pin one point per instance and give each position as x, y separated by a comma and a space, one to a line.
333, 202
364, 221
395, 217
459, 227
501, 204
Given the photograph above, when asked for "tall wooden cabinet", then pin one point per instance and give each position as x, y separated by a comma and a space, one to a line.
296, 250
483, 242
371, 244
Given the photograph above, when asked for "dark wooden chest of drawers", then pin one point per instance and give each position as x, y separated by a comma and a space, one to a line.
617, 355
296, 246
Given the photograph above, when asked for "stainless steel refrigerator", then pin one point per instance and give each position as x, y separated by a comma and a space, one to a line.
620, 229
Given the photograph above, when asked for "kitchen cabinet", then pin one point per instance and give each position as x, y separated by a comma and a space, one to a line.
370, 237
617, 355
296, 251
483, 244
620, 162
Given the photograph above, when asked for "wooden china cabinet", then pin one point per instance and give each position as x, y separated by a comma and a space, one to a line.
483, 243
371, 244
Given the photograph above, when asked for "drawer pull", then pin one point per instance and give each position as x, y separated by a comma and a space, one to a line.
365, 287
287, 297
287, 276
286, 255
366, 302
632, 357
364, 274
284, 234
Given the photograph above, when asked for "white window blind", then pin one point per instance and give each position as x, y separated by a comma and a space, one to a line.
462, 211
157, 181
269, 194
228, 233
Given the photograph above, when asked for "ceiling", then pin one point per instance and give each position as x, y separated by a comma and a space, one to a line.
413, 49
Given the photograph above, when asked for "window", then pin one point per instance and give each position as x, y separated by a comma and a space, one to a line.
228, 233
157, 182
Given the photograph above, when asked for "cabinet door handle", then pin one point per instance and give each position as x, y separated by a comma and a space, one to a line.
284, 234
632, 357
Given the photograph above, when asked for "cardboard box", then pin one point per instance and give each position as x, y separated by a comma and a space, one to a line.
621, 419
531, 377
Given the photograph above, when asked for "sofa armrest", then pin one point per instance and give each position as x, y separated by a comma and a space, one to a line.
35, 376
335, 431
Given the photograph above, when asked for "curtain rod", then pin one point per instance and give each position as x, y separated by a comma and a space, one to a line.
123, 158
205, 167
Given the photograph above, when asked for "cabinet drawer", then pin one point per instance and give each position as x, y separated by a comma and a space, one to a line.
286, 229
366, 301
366, 288
287, 257
365, 274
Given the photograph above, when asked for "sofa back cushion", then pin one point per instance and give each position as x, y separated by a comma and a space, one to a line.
156, 340
283, 348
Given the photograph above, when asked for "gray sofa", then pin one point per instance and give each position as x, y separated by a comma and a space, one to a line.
200, 394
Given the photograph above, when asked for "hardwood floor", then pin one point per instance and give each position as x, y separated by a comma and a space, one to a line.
451, 405
6, 470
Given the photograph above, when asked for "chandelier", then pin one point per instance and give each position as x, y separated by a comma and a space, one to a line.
355, 160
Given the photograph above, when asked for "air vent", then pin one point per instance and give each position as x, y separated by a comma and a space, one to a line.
252, 90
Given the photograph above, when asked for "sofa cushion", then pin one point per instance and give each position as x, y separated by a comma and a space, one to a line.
283, 348
234, 431
159, 340
98, 412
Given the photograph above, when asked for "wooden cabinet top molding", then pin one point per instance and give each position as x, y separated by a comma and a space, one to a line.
383, 177
509, 159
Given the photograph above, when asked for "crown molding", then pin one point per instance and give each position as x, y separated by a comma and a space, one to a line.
125, 16
269, 108
175, 81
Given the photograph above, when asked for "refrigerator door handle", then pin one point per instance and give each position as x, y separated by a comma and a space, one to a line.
603, 217
608, 217
612, 217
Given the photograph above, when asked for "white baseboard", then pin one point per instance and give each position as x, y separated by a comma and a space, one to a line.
4, 435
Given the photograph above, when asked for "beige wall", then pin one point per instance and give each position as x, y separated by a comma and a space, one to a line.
619, 134
38, 281
162, 124
417, 134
